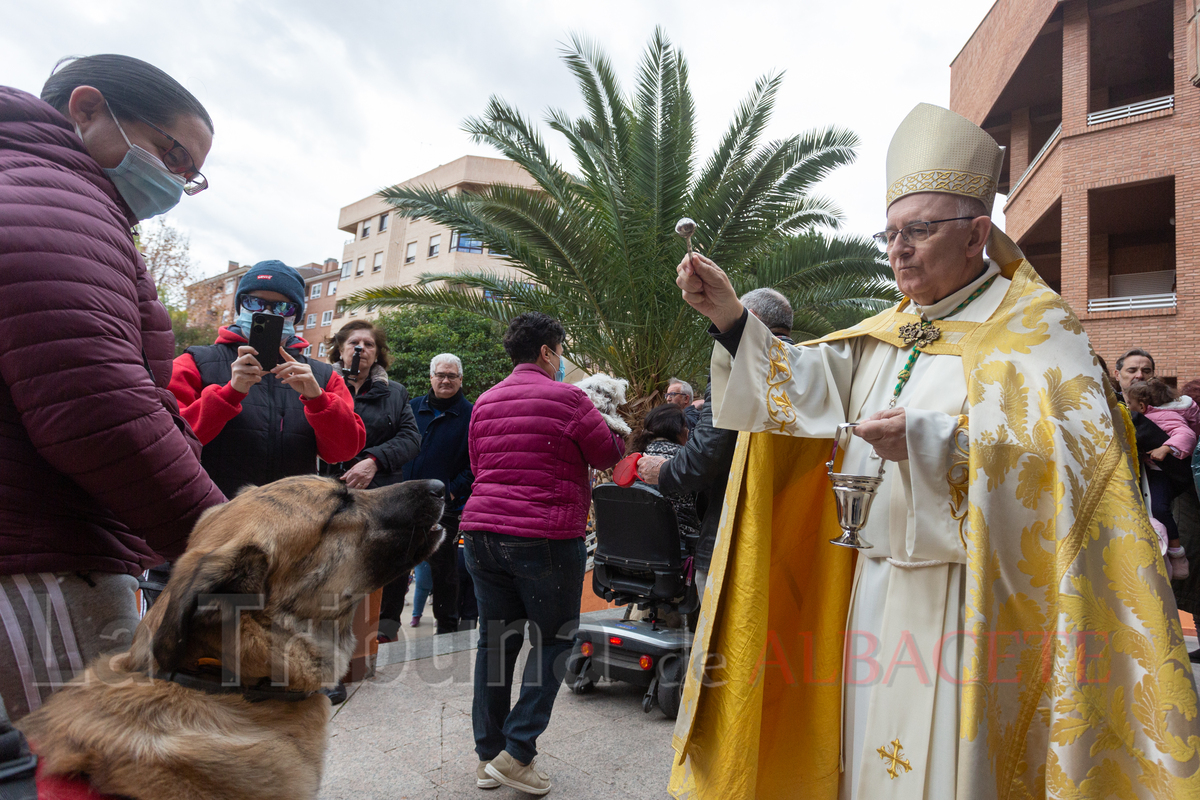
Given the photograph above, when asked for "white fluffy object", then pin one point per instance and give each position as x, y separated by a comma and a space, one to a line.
607, 395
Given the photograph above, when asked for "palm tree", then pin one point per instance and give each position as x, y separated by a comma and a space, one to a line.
596, 248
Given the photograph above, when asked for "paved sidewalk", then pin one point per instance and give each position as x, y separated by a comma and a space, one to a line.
406, 733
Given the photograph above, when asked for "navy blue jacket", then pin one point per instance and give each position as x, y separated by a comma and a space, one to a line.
443, 455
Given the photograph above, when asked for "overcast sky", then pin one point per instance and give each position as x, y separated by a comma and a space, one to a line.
319, 104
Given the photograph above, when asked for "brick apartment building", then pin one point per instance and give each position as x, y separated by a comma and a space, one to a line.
210, 301
321, 297
389, 250
1095, 101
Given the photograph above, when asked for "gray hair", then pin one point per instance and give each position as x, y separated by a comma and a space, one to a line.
445, 358
684, 386
970, 207
770, 306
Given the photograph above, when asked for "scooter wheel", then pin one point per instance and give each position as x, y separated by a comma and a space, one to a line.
670, 687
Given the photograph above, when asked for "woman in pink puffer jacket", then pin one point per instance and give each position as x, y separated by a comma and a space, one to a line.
531, 440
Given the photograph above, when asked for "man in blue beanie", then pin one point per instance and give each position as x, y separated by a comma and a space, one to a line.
259, 426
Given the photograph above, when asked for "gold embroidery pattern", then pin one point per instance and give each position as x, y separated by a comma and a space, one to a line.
779, 372
1075, 659
898, 761
959, 474
944, 180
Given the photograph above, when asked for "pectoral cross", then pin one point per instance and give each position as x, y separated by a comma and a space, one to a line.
919, 333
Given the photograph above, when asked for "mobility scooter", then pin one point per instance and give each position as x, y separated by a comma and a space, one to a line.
640, 561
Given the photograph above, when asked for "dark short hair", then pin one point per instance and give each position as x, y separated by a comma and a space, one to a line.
131, 87
528, 332
338, 341
1192, 390
663, 422
1152, 392
1137, 351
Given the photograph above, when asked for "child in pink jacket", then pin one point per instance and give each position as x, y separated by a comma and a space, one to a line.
1161, 406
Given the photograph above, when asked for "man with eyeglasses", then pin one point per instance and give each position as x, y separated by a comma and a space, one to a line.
1008, 614
259, 425
444, 417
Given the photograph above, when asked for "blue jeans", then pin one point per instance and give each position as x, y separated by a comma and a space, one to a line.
424, 585
519, 579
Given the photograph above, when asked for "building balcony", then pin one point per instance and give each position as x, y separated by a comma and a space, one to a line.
1133, 303
1164, 103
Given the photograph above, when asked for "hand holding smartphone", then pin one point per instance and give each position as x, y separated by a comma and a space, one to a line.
266, 334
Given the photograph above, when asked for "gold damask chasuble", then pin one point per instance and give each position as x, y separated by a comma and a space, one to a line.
1075, 681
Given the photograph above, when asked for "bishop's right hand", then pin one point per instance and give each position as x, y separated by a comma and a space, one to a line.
707, 289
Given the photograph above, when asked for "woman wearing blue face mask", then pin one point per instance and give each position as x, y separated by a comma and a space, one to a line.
100, 476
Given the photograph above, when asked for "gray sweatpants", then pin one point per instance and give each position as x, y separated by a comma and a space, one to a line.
52, 624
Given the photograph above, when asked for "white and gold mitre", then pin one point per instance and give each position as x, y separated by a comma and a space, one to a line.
936, 150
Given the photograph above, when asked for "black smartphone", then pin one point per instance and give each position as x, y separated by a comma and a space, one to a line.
266, 334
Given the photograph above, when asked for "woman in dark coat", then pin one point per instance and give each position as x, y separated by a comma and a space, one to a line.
392, 435
664, 433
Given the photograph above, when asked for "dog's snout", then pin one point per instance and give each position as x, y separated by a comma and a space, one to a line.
436, 488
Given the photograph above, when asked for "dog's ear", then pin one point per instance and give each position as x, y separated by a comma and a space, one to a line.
229, 570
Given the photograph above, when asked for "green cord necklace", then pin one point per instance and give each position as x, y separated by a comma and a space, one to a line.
924, 333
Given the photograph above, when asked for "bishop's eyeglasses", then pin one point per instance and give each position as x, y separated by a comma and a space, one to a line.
912, 232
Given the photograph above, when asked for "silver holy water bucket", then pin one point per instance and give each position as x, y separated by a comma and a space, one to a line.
853, 494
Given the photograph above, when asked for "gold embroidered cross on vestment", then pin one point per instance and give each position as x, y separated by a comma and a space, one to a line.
896, 759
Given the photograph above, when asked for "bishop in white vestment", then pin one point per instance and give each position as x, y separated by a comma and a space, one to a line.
1008, 631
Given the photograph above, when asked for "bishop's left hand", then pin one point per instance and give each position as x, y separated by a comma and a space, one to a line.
885, 431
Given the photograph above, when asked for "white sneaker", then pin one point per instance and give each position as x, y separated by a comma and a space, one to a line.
515, 775
482, 779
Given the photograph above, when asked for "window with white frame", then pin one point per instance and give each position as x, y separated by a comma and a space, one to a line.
346, 267
300, 326
383, 221
410, 253
327, 318
366, 231
378, 265
229, 286
371, 307
321, 351
316, 291
435, 244
308, 350
312, 320
362, 266
332, 288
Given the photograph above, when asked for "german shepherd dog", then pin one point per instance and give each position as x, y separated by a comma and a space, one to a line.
217, 697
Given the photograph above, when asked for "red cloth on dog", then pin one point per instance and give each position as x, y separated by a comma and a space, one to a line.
62, 787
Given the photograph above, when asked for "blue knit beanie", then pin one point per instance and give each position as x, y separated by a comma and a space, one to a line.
272, 276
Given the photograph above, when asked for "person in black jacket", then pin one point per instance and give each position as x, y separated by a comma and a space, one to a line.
392, 435
444, 415
393, 439
702, 465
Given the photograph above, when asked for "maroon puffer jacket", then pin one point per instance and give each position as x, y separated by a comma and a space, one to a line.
531, 441
97, 469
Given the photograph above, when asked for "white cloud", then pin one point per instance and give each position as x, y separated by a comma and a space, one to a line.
317, 105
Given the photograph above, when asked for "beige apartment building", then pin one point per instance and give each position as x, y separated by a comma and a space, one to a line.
389, 250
